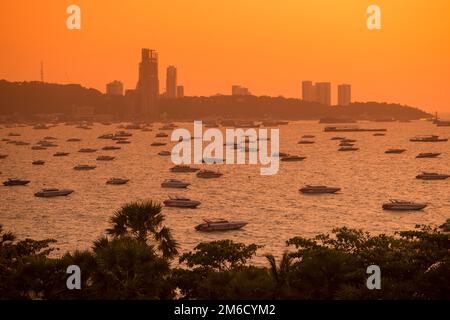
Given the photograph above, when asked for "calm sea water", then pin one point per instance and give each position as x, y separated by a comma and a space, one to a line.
272, 205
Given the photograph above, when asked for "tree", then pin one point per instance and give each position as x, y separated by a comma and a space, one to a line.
280, 273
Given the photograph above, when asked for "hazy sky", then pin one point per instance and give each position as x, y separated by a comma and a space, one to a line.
269, 46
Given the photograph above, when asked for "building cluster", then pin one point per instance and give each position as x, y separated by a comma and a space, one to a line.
320, 92
239, 91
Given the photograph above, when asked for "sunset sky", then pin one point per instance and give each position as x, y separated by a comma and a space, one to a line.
269, 46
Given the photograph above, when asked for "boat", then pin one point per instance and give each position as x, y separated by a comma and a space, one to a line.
38, 162
61, 154
13, 134
346, 144
41, 127
158, 144
220, 225
336, 120
38, 148
280, 154
3, 156
111, 148
73, 140
213, 160
290, 158
432, 176
87, 150
47, 193
164, 153
15, 182
208, 174
21, 143
337, 138
441, 123
318, 189
403, 205
183, 168
46, 144
123, 142
395, 151
84, 167
348, 149
173, 183
305, 142
50, 138
117, 181
106, 136
348, 140
308, 136
181, 202
428, 155
430, 138
105, 158
122, 134
351, 129
162, 135
379, 134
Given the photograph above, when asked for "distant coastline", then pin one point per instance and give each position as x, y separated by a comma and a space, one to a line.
32, 100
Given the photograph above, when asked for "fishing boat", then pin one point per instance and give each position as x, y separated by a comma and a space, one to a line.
403, 205
48, 193
173, 183
219, 225
181, 202
310, 189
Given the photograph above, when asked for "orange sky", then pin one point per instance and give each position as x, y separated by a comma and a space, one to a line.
269, 46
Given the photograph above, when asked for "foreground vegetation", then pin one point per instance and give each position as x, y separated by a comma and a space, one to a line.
135, 260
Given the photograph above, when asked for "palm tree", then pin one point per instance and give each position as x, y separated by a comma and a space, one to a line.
279, 273
143, 221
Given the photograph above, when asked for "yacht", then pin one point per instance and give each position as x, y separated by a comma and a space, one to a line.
402, 205
164, 153
105, 158
47, 193
158, 144
181, 202
117, 181
220, 225
318, 189
428, 155
183, 168
38, 162
430, 138
432, 176
395, 151
15, 182
209, 174
348, 149
290, 158
111, 148
87, 150
173, 183
84, 167
60, 154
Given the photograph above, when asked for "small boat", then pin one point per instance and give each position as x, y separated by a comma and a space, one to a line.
162, 135
173, 183
111, 148
50, 138
292, 158
378, 134
348, 140
318, 189
123, 142
183, 168
308, 136
106, 136
3, 156
348, 149
346, 144
351, 129
47, 193
430, 138
158, 144
181, 202
220, 225
84, 167
209, 174
73, 140
15, 182
13, 134
61, 154
395, 151
41, 127
402, 205
117, 181
164, 153
87, 150
213, 160
123, 134
432, 176
21, 143
46, 144
428, 155
337, 138
105, 158
38, 148
280, 154
38, 162
305, 142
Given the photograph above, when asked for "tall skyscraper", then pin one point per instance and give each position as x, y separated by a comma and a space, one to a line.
344, 94
308, 91
114, 88
323, 93
180, 91
148, 84
171, 82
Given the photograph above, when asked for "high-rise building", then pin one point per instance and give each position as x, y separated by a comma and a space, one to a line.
344, 94
308, 91
148, 84
239, 91
114, 88
180, 91
171, 82
323, 93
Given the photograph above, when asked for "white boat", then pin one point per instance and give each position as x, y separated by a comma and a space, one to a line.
432, 176
428, 155
84, 167
220, 225
209, 174
181, 202
117, 181
47, 193
403, 205
429, 138
318, 189
183, 168
173, 183
395, 151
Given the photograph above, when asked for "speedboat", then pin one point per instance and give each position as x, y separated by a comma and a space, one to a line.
61, 154
430, 138
337, 138
105, 158
38, 148
348, 140
161, 135
84, 167
38, 162
403, 205
220, 225
395, 151
348, 149
305, 142
123, 142
208, 174
432, 176
183, 168
15, 182
181, 202
87, 150
428, 155
164, 153
173, 183
47, 193
158, 144
346, 144
111, 148
73, 140
292, 158
308, 136
117, 181
319, 189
